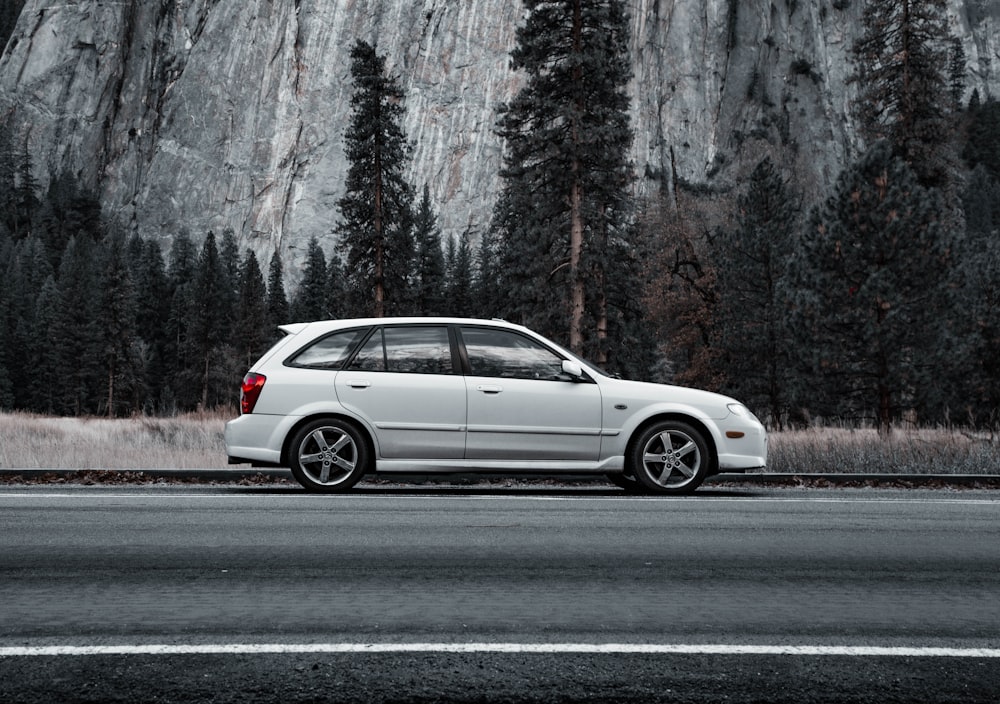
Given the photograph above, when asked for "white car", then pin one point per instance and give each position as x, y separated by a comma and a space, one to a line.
337, 399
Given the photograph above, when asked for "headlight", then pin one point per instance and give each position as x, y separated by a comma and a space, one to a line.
738, 409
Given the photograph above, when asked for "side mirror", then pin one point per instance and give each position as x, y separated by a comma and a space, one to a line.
572, 370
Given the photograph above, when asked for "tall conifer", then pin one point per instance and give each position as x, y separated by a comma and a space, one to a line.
310, 299
207, 330
872, 293
6, 295
750, 336
76, 334
428, 298
459, 276
153, 309
901, 68
277, 300
564, 214
376, 218
117, 327
251, 333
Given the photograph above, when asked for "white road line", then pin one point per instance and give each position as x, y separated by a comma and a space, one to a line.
501, 648
605, 499
447, 495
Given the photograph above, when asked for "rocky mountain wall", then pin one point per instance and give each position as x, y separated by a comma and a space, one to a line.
214, 114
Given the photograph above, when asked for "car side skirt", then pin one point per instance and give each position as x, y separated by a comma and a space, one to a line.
609, 465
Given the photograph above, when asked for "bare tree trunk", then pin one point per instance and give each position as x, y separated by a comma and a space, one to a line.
576, 209
602, 295
111, 389
379, 238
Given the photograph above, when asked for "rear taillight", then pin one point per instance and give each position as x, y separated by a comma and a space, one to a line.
250, 391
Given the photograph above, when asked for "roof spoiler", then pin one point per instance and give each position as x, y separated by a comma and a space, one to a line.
292, 328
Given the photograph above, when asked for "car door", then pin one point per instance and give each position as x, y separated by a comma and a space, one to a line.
520, 404
402, 383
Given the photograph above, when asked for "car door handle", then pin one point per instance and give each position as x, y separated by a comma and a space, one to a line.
489, 388
359, 383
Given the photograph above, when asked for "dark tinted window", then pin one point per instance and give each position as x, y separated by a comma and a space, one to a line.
503, 353
330, 352
412, 349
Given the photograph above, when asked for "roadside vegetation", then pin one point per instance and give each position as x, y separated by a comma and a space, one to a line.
189, 441
194, 441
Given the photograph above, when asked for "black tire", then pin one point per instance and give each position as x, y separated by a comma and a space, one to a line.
328, 455
670, 457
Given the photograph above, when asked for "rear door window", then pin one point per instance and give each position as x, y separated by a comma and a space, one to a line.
408, 349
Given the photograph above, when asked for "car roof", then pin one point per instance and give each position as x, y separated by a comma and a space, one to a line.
344, 323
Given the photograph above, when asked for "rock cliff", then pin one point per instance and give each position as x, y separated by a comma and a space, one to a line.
214, 114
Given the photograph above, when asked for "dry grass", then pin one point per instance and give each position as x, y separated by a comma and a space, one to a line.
192, 441
917, 451
195, 441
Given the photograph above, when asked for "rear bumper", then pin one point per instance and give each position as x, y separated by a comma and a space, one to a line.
257, 439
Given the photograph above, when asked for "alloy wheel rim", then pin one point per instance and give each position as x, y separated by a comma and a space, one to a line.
328, 455
671, 459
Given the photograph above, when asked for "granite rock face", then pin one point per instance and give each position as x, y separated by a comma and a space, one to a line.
213, 114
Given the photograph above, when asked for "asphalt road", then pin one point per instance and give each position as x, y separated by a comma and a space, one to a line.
720, 571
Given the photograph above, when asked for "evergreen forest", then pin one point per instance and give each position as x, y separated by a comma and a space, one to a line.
878, 304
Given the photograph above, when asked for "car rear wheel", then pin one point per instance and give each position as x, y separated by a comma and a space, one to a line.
328, 455
670, 457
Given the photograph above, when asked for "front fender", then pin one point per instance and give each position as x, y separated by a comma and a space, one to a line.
617, 438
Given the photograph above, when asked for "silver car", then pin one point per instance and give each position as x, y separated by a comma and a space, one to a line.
337, 399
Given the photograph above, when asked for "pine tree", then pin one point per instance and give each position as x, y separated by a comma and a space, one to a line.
6, 329
901, 63
428, 298
208, 329
27, 275
117, 328
459, 276
7, 182
975, 389
277, 302
750, 335
68, 210
183, 386
375, 226
232, 267
337, 303
487, 293
564, 202
872, 294
19, 202
983, 143
44, 382
153, 309
956, 73
76, 337
251, 336
310, 300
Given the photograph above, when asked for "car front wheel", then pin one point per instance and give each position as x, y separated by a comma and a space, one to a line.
670, 457
328, 455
